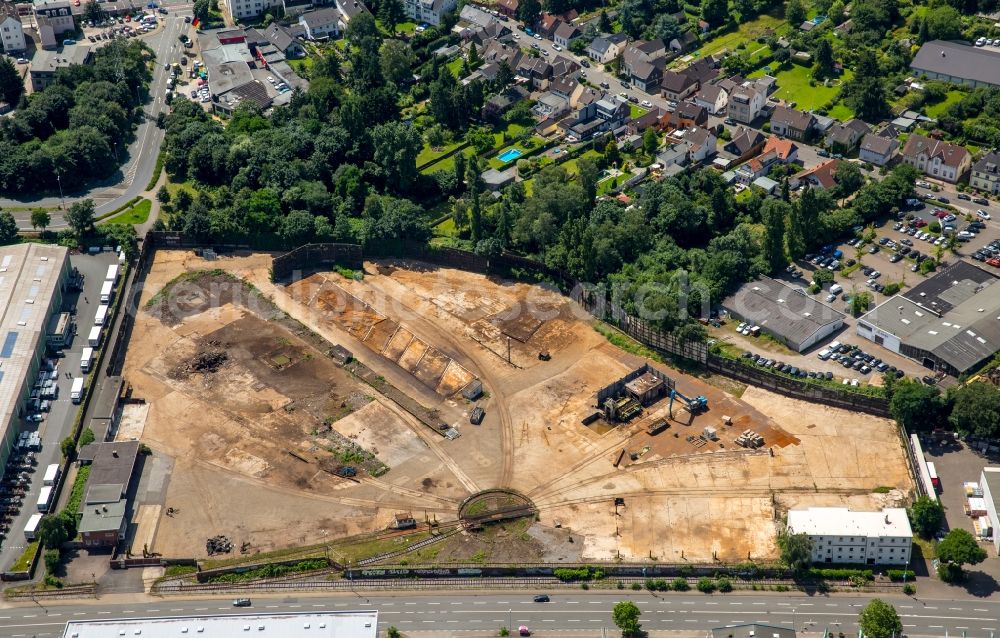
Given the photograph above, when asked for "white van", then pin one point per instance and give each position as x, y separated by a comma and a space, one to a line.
112, 273
102, 315
86, 359
833, 346
107, 290
94, 339
825, 354
76, 392
836, 289
32, 527
51, 474
44, 499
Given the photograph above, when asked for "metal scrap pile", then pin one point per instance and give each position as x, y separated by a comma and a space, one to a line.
218, 545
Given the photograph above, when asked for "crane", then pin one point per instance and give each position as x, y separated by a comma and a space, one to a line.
693, 406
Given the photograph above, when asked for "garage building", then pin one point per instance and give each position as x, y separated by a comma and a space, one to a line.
788, 314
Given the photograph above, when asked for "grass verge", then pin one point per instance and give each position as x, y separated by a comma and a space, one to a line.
137, 213
155, 177
27, 557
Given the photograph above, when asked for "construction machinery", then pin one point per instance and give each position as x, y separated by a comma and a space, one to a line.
694, 406
622, 409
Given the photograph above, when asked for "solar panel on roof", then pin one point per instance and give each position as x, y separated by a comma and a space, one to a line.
8, 345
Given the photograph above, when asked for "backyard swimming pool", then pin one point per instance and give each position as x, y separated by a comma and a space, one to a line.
509, 155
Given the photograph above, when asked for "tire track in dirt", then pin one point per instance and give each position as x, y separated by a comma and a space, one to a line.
708, 492
399, 490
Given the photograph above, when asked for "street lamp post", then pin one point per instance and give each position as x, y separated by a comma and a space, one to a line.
61, 198
509, 625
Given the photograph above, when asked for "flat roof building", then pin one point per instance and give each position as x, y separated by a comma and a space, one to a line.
842, 536
753, 630
958, 63
104, 510
788, 314
326, 624
949, 322
32, 280
990, 482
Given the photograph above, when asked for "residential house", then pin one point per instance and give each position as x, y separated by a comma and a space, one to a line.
821, 176
321, 23
499, 52
791, 123
745, 103
606, 114
470, 19
986, 173
713, 97
349, 9
494, 32
46, 63
547, 24
53, 19
775, 151
283, 40
638, 125
430, 11
700, 142
746, 143
536, 70
684, 42
844, 137
11, 33
936, 158
643, 61
569, 88
686, 115
785, 151
565, 33
877, 150
500, 103
563, 66
295, 8
245, 9
508, 7
703, 70
550, 105
677, 86
607, 47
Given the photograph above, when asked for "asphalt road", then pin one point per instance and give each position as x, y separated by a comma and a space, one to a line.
142, 152
576, 610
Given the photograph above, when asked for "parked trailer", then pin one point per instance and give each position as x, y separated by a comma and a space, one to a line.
51, 474
31, 528
76, 392
107, 291
86, 359
101, 316
44, 499
94, 339
112, 275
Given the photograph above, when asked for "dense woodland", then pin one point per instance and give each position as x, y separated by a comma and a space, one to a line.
71, 128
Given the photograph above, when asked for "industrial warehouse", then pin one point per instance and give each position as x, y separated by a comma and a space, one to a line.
32, 281
947, 322
321, 624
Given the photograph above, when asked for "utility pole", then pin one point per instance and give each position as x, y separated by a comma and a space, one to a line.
61, 198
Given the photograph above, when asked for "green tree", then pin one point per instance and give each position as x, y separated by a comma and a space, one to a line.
93, 12
879, 620
8, 228
392, 632
68, 448
650, 141
796, 550
52, 558
746, 8
11, 84
836, 13
40, 219
527, 12
588, 174
916, 406
297, 227
390, 13
956, 549
795, 12
976, 410
54, 530
943, 23
396, 59
163, 195
773, 214
715, 12
626, 617
926, 516
865, 92
396, 148
824, 58
80, 217
797, 233
848, 177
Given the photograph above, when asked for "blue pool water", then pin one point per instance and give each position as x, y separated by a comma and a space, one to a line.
509, 155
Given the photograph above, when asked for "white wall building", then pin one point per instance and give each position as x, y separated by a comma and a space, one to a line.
990, 482
243, 9
11, 32
860, 538
429, 11
322, 624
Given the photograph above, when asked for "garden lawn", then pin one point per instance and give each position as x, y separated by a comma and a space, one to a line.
951, 97
455, 66
447, 164
635, 111
137, 214
793, 85
747, 33
429, 154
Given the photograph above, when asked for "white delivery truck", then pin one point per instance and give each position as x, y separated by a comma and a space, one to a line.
44, 499
31, 529
94, 339
102, 315
76, 392
86, 359
112, 275
107, 290
51, 474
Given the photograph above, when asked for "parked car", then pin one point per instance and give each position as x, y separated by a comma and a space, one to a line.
541, 598
982, 214
241, 602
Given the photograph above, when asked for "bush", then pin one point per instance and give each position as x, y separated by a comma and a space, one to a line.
584, 573
657, 584
706, 585
680, 584
897, 575
909, 589
52, 560
636, 586
52, 581
724, 585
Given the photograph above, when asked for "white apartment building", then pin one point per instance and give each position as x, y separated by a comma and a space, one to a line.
429, 11
243, 9
859, 538
11, 32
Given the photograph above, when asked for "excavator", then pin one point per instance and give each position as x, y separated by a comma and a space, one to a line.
693, 406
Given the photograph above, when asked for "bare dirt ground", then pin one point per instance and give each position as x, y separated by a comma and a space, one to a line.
429, 331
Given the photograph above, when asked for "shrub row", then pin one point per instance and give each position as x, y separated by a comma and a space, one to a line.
897, 575
567, 575
271, 571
